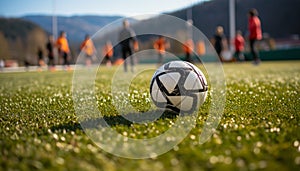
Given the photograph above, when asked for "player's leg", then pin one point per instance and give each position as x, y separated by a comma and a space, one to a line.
124, 55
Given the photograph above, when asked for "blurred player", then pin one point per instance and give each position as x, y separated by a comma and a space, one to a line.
220, 42
2, 64
41, 62
128, 43
160, 45
255, 33
50, 53
188, 49
63, 49
108, 52
239, 44
88, 48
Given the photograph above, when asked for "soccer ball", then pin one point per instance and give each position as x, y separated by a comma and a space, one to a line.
179, 86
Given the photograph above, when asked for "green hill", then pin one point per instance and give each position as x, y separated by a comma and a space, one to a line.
20, 39
75, 26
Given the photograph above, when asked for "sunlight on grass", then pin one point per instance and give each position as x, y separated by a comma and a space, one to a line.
259, 129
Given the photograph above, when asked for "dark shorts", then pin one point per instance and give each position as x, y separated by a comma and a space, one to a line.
126, 51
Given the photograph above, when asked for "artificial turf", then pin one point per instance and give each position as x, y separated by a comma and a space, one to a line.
259, 129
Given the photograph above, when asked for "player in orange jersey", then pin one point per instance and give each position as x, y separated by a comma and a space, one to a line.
88, 48
188, 49
160, 45
63, 48
108, 52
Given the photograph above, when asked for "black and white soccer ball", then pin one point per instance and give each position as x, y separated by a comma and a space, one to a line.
179, 86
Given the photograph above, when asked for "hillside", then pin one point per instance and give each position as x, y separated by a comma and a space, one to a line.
75, 26
279, 17
20, 39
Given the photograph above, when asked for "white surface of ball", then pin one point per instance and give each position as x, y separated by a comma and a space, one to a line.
179, 86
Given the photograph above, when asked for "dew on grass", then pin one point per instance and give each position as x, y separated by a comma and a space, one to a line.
153, 155
256, 150
55, 136
174, 162
60, 145
275, 129
37, 141
175, 148
240, 162
125, 133
235, 126
218, 140
259, 144
169, 139
296, 143
60, 160
192, 137
48, 147
227, 160
213, 159
132, 135
62, 138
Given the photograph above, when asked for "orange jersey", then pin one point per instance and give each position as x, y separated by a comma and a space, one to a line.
88, 47
108, 50
188, 46
136, 45
160, 45
201, 48
62, 44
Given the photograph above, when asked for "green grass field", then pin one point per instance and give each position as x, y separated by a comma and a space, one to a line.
259, 130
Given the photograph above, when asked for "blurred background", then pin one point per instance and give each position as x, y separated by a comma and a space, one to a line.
26, 24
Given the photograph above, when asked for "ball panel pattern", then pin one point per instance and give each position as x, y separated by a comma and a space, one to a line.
157, 94
179, 86
170, 80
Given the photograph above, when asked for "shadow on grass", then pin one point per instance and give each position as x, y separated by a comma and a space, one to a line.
110, 121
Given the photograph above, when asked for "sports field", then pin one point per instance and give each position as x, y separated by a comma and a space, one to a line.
259, 130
